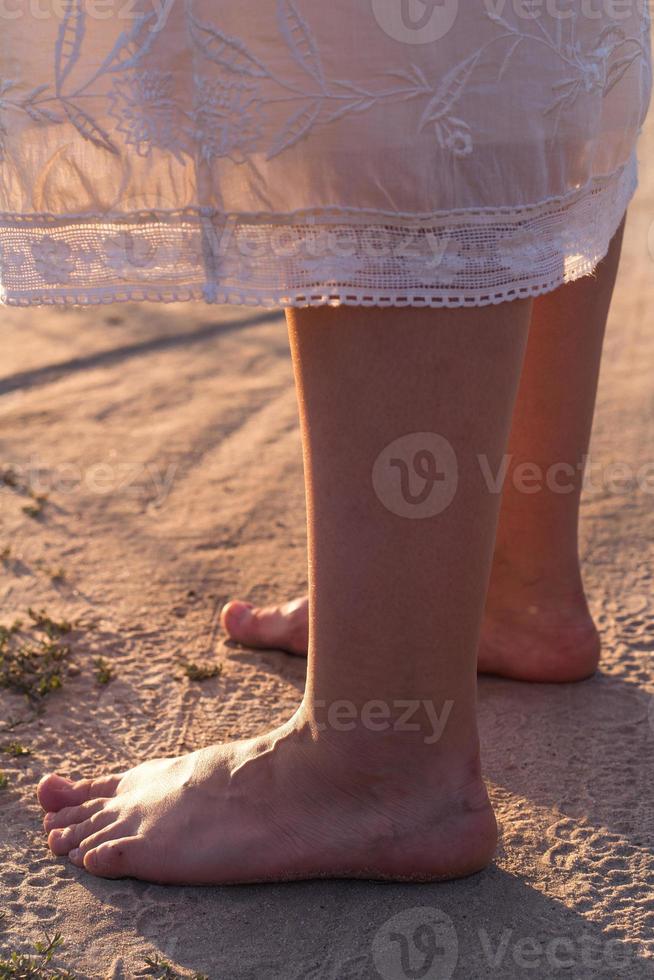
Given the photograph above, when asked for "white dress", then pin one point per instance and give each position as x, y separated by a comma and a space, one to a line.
294, 152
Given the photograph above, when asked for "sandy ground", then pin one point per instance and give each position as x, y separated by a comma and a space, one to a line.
167, 441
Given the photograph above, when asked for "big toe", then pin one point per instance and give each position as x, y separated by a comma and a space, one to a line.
275, 627
253, 627
238, 620
55, 791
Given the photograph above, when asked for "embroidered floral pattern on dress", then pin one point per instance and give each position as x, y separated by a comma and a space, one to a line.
228, 114
161, 145
596, 69
227, 119
144, 109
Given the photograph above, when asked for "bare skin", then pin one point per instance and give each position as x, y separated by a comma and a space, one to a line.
357, 796
229, 814
537, 625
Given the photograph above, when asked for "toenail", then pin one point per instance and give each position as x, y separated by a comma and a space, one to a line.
55, 777
240, 614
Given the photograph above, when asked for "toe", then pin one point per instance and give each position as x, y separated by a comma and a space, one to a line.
63, 840
237, 620
55, 792
111, 859
70, 815
116, 829
273, 627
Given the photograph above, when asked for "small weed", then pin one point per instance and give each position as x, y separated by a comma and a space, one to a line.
8, 631
32, 665
35, 509
5, 554
56, 575
12, 723
103, 672
23, 966
9, 478
51, 627
161, 968
14, 749
196, 672
4, 780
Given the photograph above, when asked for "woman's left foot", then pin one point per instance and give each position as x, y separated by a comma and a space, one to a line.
284, 627
282, 806
539, 643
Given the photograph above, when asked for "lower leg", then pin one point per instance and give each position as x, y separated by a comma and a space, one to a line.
408, 593
537, 624
378, 773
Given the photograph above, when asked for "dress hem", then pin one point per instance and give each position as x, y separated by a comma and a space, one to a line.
494, 256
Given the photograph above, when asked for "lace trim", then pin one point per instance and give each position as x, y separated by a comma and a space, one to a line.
312, 258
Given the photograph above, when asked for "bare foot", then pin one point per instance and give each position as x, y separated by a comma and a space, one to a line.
284, 627
555, 645
278, 807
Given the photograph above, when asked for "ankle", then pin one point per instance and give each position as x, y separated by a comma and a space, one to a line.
397, 744
541, 589
540, 610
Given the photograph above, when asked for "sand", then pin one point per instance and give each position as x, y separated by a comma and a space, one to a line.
166, 438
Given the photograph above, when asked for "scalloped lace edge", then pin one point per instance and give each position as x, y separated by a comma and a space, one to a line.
578, 263
343, 297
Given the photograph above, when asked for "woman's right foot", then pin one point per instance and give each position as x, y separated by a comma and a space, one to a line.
285, 805
557, 646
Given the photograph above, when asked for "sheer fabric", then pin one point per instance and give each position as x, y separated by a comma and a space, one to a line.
293, 152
